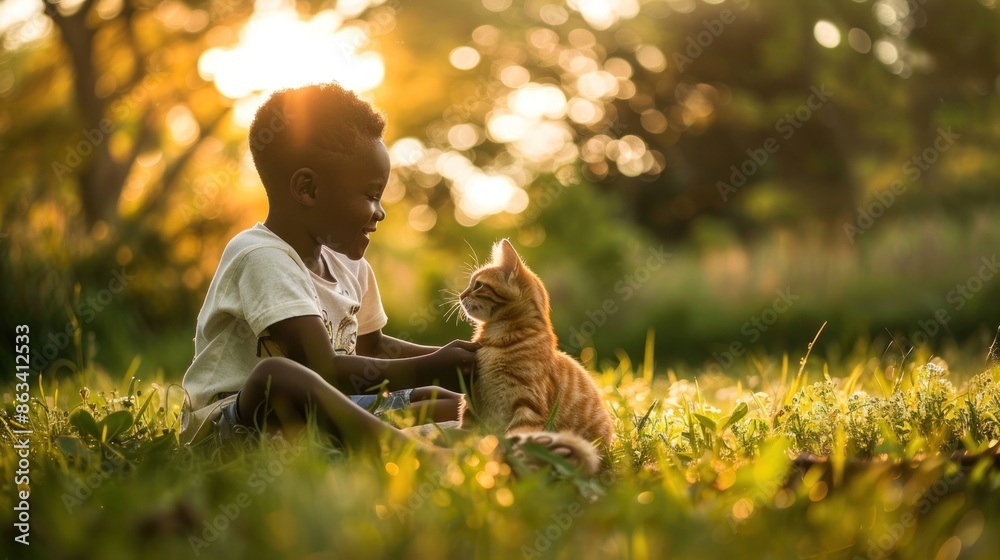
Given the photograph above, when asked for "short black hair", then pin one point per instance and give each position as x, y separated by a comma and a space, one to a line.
299, 126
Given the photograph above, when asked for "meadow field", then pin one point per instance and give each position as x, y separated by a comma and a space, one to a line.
884, 457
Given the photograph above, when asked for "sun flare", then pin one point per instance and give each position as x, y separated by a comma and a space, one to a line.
278, 48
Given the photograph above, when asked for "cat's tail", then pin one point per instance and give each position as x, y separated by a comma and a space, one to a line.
537, 449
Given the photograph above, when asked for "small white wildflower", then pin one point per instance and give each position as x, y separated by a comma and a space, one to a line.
934, 369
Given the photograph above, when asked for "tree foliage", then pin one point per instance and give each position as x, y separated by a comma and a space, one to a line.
714, 124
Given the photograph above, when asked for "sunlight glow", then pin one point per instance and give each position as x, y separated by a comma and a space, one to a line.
21, 22
598, 84
278, 49
406, 151
602, 14
504, 126
535, 101
544, 141
478, 195
454, 166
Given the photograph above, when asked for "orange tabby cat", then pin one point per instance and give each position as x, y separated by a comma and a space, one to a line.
522, 376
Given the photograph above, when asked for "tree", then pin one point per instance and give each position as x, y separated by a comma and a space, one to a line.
133, 66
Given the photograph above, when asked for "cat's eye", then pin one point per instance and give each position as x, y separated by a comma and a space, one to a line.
477, 285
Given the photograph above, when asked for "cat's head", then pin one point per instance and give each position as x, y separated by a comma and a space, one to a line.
505, 290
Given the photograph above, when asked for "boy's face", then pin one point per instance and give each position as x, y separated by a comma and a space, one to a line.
348, 200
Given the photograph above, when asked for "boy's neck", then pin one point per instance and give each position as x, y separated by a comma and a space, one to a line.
304, 245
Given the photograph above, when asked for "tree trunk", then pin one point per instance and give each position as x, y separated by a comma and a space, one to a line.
102, 178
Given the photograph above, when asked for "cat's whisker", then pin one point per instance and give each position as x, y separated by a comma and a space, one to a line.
475, 258
470, 268
450, 297
455, 307
451, 312
453, 300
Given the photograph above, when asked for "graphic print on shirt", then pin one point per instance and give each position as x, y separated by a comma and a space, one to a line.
345, 337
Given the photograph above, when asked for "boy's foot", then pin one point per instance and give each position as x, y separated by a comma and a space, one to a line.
231, 436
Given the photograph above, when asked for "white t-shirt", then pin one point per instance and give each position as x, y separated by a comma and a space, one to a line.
260, 281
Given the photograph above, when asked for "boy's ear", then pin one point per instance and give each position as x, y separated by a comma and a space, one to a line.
302, 186
506, 257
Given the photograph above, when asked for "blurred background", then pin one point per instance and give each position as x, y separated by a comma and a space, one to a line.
720, 177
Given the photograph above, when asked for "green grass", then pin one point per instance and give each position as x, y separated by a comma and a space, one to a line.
799, 459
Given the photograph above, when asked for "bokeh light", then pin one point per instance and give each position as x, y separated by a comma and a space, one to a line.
886, 52
422, 217
651, 58
22, 22
535, 101
859, 40
182, 125
602, 14
478, 195
826, 34
464, 136
464, 58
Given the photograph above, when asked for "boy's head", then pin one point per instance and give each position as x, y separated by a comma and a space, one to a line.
318, 150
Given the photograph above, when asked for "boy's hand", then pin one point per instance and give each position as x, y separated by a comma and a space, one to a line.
464, 345
459, 354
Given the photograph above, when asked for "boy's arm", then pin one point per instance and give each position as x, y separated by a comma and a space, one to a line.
378, 345
305, 340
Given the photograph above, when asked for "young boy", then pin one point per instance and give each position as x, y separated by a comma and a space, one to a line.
292, 319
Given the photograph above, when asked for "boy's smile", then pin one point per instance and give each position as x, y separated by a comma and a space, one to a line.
348, 200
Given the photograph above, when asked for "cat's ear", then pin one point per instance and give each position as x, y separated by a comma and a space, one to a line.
505, 257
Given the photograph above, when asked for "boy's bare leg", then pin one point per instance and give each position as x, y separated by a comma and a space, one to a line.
436, 404
295, 388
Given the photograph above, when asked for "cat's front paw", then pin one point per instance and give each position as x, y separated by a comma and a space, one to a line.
541, 449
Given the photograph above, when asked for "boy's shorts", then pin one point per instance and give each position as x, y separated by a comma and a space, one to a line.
229, 427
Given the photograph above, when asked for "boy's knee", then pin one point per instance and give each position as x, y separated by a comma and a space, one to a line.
272, 380
281, 376
262, 371
274, 363
268, 371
